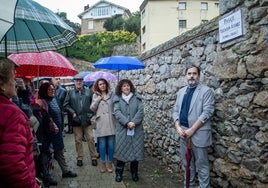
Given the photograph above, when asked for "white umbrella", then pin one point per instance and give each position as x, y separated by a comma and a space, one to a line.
7, 11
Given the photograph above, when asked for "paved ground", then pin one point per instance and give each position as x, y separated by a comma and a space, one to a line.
88, 176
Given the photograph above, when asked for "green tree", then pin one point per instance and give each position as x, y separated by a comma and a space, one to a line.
116, 22
76, 26
133, 24
108, 24
92, 47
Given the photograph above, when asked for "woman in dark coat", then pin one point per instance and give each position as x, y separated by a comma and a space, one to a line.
129, 112
46, 108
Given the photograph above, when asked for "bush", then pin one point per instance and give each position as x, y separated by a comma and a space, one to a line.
92, 47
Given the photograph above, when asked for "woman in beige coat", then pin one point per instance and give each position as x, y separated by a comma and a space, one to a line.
102, 105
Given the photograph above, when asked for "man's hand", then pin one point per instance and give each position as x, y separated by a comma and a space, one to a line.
179, 130
189, 132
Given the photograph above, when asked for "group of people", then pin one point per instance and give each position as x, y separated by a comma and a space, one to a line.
118, 114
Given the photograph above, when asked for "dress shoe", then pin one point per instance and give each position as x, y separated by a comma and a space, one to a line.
49, 182
79, 163
69, 174
110, 167
103, 168
94, 162
52, 182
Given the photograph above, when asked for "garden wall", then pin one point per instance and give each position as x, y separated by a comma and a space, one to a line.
237, 71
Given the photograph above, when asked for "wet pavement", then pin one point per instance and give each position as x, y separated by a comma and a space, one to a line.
88, 176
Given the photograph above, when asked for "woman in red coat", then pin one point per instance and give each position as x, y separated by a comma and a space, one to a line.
17, 168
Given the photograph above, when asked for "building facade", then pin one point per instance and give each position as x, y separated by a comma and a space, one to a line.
93, 18
162, 20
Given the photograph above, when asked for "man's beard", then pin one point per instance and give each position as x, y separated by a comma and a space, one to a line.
192, 82
79, 87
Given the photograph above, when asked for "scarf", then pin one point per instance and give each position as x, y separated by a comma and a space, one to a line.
127, 97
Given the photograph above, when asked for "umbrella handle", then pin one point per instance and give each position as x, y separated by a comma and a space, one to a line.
189, 143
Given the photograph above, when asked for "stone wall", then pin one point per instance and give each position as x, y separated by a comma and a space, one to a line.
127, 49
237, 71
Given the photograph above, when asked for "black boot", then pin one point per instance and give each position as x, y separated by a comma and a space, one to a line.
134, 170
119, 171
49, 182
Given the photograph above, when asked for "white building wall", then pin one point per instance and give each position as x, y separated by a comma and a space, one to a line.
161, 19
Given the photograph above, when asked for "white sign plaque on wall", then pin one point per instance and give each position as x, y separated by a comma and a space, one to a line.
231, 26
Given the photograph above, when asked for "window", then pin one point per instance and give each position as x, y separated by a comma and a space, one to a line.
216, 5
90, 25
143, 14
204, 21
182, 24
143, 30
204, 6
143, 46
103, 11
182, 6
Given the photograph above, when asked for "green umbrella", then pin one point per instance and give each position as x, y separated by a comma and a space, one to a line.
36, 29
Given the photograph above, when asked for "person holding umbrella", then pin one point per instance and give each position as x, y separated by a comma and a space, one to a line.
192, 112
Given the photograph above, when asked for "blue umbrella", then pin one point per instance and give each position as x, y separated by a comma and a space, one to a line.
119, 63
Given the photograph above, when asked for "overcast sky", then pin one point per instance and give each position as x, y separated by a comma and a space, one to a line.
75, 7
